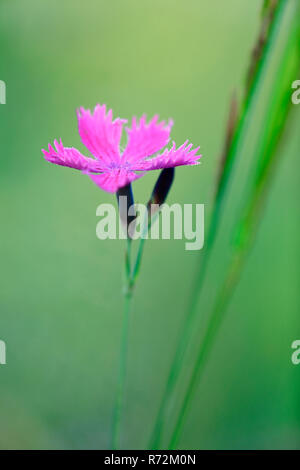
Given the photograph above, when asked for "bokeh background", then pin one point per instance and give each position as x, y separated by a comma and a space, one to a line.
60, 289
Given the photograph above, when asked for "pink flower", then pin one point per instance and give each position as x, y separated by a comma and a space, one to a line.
111, 169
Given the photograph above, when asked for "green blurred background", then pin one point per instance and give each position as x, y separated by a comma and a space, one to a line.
60, 290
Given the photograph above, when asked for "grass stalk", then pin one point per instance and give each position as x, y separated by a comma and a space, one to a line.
278, 110
237, 128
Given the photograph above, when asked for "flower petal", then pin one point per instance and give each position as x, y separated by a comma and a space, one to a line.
71, 157
170, 158
146, 139
100, 134
111, 181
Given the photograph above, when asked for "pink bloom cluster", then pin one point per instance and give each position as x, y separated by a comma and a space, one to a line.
111, 169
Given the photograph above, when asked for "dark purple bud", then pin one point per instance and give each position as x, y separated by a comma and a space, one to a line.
161, 189
126, 208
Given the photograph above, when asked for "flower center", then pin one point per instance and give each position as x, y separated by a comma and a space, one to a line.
119, 165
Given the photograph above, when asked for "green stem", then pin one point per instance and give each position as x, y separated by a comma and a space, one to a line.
137, 265
123, 351
130, 280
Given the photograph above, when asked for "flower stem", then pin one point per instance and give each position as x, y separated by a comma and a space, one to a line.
131, 276
137, 265
123, 351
